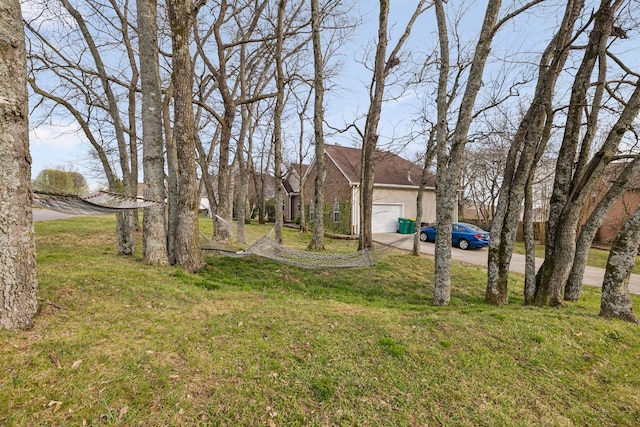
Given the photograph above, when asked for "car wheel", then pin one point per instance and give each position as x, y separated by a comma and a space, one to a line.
424, 237
463, 244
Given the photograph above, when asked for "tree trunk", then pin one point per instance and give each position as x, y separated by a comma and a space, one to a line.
125, 225
449, 167
530, 246
303, 210
222, 230
444, 207
302, 112
527, 148
429, 154
18, 283
187, 247
588, 231
277, 121
616, 302
154, 235
172, 176
554, 273
370, 139
317, 234
573, 181
241, 213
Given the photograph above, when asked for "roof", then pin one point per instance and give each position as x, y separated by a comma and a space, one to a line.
300, 171
287, 186
390, 169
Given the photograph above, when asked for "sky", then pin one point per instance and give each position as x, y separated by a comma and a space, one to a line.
56, 145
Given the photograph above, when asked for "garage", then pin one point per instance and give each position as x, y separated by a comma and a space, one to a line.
385, 217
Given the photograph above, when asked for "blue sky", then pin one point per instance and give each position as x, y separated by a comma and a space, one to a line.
63, 145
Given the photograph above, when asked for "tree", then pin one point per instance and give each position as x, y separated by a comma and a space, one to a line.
187, 247
588, 231
577, 169
154, 236
449, 164
69, 67
381, 70
60, 180
318, 120
527, 147
482, 179
615, 301
429, 155
18, 298
246, 18
277, 118
127, 154
303, 146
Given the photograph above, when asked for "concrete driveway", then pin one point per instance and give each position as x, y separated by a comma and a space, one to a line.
592, 276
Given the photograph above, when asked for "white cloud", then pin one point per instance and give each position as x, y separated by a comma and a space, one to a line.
56, 136
56, 145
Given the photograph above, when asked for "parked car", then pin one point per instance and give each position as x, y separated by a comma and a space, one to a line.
463, 235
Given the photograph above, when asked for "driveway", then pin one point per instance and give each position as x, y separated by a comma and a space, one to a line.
592, 276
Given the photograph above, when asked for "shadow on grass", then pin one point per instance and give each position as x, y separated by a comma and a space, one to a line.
397, 281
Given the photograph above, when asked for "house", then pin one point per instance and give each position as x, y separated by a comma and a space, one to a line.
622, 209
395, 190
291, 184
260, 190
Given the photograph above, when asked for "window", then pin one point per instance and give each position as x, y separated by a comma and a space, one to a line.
336, 211
311, 210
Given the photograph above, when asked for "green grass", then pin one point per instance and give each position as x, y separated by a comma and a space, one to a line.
252, 342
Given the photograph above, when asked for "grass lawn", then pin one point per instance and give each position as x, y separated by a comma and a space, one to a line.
250, 342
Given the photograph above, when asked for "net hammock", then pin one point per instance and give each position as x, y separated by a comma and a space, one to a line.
97, 203
267, 247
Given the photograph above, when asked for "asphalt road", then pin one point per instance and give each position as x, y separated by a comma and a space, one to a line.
592, 276
45, 214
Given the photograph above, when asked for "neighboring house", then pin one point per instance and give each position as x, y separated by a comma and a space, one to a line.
258, 184
624, 207
394, 194
291, 183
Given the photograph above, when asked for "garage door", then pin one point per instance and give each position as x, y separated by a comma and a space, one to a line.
385, 218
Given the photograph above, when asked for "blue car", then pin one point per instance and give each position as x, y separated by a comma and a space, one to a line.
464, 236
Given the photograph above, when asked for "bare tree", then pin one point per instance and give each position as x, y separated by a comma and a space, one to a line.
68, 69
303, 146
187, 247
527, 147
318, 120
18, 298
449, 164
381, 69
126, 223
482, 179
588, 231
277, 116
577, 170
429, 155
154, 239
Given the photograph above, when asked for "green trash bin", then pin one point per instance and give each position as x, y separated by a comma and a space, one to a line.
412, 226
403, 226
